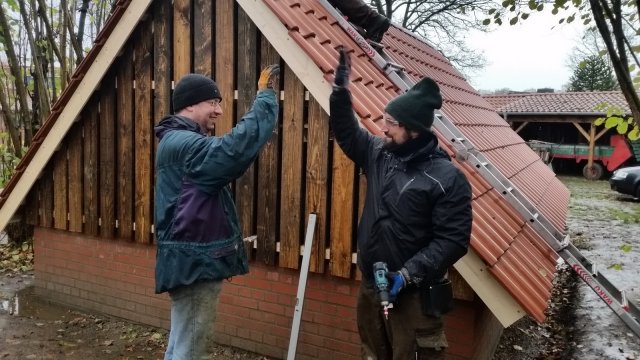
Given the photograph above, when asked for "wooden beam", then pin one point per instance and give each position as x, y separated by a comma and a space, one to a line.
202, 32
522, 126
491, 292
90, 81
602, 132
581, 130
90, 165
75, 177
124, 143
302, 65
592, 144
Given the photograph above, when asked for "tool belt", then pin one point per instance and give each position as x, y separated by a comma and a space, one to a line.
436, 298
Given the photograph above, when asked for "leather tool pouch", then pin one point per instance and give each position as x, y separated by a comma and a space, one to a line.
437, 298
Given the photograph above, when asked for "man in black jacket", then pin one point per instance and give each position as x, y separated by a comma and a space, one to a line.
417, 218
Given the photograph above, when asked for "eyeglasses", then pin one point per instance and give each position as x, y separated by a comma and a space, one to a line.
388, 122
214, 102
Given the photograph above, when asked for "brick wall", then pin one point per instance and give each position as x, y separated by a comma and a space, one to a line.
255, 311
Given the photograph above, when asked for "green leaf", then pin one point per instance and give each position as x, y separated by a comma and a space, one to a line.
625, 248
634, 134
612, 122
513, 21
491, 11
599, 121
540, 7
602, 52
532, 5
524, 16
632, 67
616, 267
554, 11
506, 3
586, 21
636, 48
570, 19
622, 128
583, 64
498, 21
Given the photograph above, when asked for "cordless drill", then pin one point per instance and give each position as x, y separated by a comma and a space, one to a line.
382, 285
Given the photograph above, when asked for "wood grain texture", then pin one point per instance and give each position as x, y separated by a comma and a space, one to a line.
74, 171
90, 169
124, 145
202, 31
181, 38
292, 158
107, 162
317, 180
225, 62
247, 80
268, 179
342, 197
143, 135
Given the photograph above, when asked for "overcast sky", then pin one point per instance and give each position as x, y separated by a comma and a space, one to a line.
531, 54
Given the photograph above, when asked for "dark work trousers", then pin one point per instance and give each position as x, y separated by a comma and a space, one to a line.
357, 11
406, 334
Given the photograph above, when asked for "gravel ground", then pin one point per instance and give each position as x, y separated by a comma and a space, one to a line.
604, 225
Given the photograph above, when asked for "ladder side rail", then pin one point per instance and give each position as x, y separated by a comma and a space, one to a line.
501, 183
571, 252
629, 314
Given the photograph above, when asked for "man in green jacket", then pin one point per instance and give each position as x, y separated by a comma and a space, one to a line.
199, 242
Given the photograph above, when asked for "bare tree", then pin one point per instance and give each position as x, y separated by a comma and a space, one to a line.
444, 24
618, 24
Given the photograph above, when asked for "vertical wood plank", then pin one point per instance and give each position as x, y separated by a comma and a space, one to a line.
247, 80
75, 177
341, 213
124, 165
32, 205
316, 180
225, 62
90, 166
182, 38
268, 179
143, 135
60, 181
292, 156
46, 193
161, 59
107, 157
202, 20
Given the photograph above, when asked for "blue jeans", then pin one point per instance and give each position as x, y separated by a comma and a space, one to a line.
193, 311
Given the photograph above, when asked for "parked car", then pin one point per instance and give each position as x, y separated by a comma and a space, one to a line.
626, 181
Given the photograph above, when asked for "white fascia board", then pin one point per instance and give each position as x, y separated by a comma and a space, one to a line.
113, 44
296, 58
476, 273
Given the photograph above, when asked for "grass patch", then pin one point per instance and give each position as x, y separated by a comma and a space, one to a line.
626, 217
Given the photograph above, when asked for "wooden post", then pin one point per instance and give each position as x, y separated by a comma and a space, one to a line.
592, 142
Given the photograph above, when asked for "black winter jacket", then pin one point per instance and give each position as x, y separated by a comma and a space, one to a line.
417, 211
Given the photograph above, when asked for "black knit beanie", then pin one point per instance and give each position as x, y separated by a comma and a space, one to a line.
192, 89
414, 109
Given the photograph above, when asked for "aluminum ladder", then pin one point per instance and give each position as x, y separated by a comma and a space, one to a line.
628, 312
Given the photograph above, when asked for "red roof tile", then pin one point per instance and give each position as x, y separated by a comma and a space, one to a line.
564, 102
518, 257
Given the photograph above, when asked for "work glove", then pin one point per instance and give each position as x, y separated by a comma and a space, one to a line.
398, 280
341, 79
269, 77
